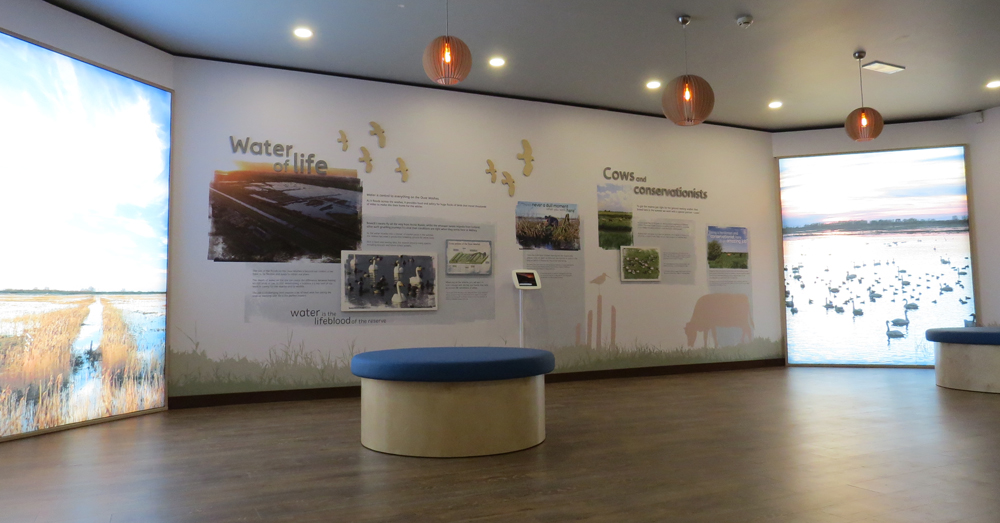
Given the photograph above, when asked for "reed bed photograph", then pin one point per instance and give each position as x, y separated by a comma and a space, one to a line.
553, 226
68, 358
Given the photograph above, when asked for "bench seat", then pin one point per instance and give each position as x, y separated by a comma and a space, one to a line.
452, 401
967, 358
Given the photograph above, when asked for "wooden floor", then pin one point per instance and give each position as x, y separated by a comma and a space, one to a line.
782, 445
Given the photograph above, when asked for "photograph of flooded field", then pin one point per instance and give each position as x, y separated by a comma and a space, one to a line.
269, 217
553, 226
83, 236
876, 251
389, 281
66, 358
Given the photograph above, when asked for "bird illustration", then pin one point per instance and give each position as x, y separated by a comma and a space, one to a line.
378, 131
403, 170
366, 158
343, 140
509, 182
527, 157
492, 171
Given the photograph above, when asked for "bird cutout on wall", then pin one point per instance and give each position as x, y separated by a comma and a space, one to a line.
378, 131
509, 182
527, 157
366, 159
343, 140
492, 171
403, 170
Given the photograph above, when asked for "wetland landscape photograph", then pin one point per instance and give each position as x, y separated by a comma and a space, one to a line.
876, 251
83, 276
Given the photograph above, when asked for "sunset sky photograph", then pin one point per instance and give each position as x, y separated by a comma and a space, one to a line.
926, 184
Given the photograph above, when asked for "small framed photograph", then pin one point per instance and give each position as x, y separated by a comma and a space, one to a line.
469, 257
389, 281
640, 264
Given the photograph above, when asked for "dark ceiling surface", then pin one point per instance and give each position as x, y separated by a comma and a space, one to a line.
601, 53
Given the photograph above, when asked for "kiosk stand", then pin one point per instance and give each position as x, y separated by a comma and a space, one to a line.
524, 279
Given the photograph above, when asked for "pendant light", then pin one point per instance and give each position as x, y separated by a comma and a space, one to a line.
687, 99
864, 123
447, 60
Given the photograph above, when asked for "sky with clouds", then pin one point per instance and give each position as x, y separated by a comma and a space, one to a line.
84, 183
885, 185
614, 197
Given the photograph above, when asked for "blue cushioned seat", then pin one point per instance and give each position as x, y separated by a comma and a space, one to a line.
452, 364
967, 335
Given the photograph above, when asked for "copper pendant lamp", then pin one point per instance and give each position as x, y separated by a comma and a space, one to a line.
687, 99
864, 124
447, 60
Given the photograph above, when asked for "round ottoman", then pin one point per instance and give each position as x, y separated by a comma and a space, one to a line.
452, 401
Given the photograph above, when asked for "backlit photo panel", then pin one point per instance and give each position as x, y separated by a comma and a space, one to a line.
83, 235
876, 251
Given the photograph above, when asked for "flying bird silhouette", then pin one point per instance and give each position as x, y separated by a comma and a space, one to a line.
509, 182
527, 157
343, 140
378, 131
492, 171
366, 159
403, 170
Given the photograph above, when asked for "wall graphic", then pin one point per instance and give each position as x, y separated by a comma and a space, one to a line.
296, 208
876, 252
83, 233
479, 199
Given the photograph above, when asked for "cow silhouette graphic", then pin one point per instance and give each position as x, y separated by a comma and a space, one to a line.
719, 310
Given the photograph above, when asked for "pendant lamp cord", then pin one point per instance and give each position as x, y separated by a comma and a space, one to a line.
861, 81
446, 33
684, 30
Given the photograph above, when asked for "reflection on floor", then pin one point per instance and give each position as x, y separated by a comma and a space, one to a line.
801, 444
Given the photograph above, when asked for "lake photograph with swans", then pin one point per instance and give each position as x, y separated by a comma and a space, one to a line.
876, 251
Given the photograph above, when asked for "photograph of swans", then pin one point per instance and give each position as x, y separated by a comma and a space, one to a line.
876, 251
389, 281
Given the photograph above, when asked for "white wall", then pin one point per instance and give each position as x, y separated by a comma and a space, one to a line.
982, 134
446, 138
93, 42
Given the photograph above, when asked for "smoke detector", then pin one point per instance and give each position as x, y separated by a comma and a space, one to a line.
744, 21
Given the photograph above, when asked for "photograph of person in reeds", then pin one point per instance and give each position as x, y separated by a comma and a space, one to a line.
83, 227
553, 226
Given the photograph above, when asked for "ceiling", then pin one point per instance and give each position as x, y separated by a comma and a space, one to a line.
601, 53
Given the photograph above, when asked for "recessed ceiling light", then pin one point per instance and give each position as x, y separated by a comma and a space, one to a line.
653, 84
775, 104
496, 61
994, 84
303, 32
882, 67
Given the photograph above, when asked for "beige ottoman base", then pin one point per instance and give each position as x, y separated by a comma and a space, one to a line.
967, 367
452, 419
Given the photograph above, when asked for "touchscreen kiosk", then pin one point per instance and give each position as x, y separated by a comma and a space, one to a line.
526, 279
